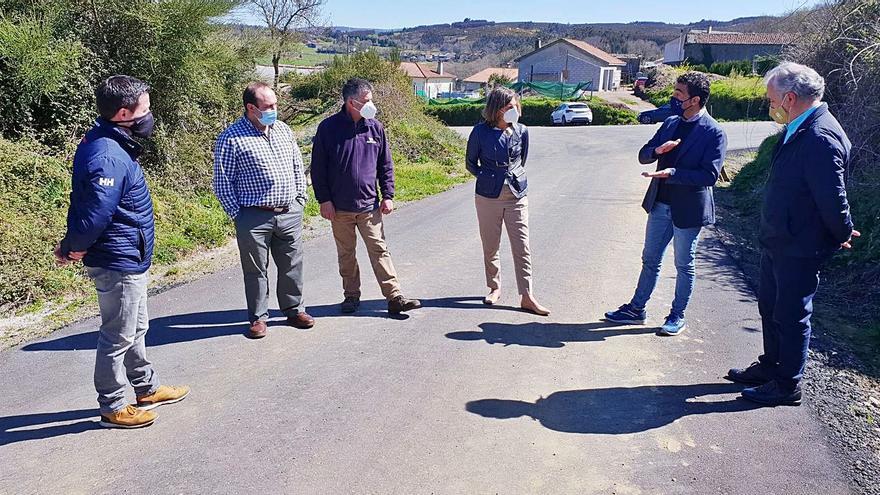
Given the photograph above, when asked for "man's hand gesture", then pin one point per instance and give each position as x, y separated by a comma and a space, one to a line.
666, 147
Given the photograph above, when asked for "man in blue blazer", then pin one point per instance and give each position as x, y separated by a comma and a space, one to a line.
110, 229
689, 150
804, 221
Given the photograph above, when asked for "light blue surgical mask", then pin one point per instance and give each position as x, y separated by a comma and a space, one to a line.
268, 117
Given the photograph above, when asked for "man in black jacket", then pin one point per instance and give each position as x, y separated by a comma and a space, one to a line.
805, 220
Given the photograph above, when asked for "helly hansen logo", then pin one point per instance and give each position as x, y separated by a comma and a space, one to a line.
106, 181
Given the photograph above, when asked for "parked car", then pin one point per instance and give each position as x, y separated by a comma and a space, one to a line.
656, 115
572, 113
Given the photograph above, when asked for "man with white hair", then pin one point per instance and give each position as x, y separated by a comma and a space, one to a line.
805, 219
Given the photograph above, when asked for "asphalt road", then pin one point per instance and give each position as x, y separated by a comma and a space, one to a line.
456, 398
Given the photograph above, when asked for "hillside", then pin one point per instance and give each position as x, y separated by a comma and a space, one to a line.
472, 45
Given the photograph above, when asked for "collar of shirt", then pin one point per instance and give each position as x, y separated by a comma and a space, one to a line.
698, 116
793, 126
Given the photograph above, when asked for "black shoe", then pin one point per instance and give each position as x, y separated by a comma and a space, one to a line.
401, 304
350, 304
755, 374
770, 394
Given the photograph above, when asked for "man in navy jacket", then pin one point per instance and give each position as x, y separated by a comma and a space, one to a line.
110, 229
805, 219
689, 150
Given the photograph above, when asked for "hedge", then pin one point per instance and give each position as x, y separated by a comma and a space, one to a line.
536, 112
737, 98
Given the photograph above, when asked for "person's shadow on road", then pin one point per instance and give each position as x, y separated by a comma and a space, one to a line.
616, 410
552, 335
15, 429
164, 330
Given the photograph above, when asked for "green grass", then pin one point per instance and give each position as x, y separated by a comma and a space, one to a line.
301, 56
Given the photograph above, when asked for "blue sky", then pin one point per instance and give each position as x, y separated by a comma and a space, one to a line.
387, 14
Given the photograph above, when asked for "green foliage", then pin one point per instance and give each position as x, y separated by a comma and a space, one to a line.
327, 84
53, 53
33, 203
734, 98
428, 157
536, 111
34, 196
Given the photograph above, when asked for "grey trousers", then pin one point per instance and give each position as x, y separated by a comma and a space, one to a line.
122, 354
260, 233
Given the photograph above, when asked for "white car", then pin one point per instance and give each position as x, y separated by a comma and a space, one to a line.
572, 113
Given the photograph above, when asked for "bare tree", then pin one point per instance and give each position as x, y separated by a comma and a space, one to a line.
286, 19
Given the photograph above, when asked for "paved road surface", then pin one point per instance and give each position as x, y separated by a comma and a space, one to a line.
456, 398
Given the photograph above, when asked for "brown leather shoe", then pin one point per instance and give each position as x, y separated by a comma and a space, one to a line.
165, 394
128, 417
257, 330
302, 320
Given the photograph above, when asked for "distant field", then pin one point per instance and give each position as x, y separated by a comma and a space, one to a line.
303, 56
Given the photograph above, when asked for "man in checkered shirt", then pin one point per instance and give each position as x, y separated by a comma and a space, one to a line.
260, 181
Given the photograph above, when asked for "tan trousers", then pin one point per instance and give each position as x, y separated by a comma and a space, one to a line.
514, 214
369, 224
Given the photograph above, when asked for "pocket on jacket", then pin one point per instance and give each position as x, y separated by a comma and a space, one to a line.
142, 244
486, 183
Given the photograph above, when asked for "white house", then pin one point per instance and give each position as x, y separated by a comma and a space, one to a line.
428, 83
571, 62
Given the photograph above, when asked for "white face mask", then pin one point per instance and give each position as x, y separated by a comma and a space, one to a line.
369, 110
511, 116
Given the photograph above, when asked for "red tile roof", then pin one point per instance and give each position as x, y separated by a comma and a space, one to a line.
596, 52
483, 76
583, 46
419, 71
704, 38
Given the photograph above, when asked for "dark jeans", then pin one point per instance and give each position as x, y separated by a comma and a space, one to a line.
785, 300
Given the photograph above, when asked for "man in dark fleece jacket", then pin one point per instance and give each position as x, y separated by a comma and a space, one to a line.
805, 220
110, 229
350, 156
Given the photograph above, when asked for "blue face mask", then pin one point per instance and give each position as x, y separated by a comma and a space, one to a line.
268, 117
676, 106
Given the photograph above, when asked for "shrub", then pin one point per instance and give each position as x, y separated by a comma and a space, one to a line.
536, 111
735, 98
34, 195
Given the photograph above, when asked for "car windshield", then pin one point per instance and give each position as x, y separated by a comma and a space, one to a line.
577, 105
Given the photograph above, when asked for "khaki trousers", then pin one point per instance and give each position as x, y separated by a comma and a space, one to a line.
369, 224
514, 214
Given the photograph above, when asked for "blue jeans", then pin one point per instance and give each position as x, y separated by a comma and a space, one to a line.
658, 233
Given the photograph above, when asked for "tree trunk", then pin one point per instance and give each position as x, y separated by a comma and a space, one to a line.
276, 59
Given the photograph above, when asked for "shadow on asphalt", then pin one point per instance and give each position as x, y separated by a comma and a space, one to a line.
552, 335
617, 410
165, 330
28, 421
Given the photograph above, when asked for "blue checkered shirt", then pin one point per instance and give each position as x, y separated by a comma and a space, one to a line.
252, 168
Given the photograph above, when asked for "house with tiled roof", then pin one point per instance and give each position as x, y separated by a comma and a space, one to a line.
481, 79
572, 62
709, 46
427, 82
